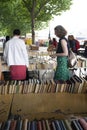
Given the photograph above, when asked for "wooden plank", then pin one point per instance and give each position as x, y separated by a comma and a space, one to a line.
49, 104
5, 102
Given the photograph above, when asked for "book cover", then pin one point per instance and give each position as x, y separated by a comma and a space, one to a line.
13, 125
47, 125
57, 125
83, 123
44, 125
25, 124
39, 125
18, 125
68, 124
74, 125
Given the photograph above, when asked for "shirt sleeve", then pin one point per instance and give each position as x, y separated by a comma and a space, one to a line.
25, 54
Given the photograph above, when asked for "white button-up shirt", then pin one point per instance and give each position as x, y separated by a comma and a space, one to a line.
15, 52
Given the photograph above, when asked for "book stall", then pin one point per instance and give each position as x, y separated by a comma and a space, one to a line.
40, 104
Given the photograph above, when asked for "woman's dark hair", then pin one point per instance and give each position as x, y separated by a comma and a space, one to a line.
54, 39
7, 38
16, 32
60, 30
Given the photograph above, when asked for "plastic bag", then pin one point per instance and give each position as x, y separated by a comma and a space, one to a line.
72, 59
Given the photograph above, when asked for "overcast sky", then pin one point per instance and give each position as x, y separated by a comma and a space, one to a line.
74, 20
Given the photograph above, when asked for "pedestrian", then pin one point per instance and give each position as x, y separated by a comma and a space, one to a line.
74, 43
7, 38
62, 71
54, 42
16, 56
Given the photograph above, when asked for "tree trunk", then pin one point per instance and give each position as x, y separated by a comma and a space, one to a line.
33, 31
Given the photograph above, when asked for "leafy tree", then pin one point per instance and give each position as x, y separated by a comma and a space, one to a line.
30, 14
11, 17
43, 10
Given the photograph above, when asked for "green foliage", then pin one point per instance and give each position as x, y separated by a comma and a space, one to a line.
14, 15
29, 15
43, 10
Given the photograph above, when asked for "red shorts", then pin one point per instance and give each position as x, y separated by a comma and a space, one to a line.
18, 72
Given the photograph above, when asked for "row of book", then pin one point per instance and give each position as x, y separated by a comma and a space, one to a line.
74, 85
45, 124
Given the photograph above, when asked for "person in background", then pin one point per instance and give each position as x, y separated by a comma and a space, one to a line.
74, 43
85, 43
50, 41
54, 42
16, 56
62, 72
7, 38
85, 51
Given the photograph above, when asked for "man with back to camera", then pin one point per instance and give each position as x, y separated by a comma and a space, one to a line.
16, 56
